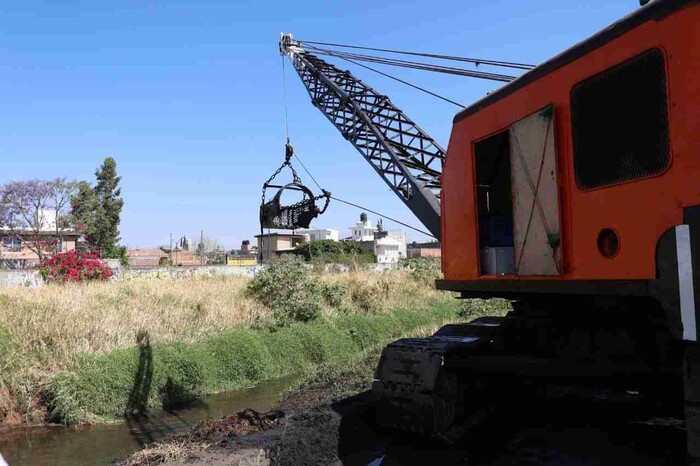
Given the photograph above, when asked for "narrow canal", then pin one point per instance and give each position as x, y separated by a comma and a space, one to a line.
104, 444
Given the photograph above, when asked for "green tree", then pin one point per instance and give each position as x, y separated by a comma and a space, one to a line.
98, 210
334, 252
109, 207
84, 210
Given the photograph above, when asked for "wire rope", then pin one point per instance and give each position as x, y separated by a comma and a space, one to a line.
475, 61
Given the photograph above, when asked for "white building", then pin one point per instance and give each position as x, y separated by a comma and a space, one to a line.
389, 246
400, 237
387, 250
46, 220
363, 230
321, 234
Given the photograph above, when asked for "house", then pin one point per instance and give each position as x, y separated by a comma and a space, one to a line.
181, 257
22, 245
47, 238
363, 230
431, 249
245, 257
321, 234
272, 244
144, 258
387, 250
389, 246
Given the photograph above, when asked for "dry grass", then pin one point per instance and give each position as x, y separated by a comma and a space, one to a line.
165, 452
373, 292
53, 323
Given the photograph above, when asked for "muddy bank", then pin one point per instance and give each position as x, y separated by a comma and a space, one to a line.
303, 430
329, 419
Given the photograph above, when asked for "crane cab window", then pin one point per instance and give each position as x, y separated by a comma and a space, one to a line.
495, 205
619, 123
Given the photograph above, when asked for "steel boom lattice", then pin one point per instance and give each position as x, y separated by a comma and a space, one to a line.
408, 160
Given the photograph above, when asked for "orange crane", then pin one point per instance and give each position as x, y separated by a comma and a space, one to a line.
572, 191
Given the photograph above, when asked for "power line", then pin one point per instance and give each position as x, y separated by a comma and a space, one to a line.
475, 61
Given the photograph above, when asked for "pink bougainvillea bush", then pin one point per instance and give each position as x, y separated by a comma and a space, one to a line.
74, 266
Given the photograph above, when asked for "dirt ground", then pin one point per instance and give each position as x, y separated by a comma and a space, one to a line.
344, 433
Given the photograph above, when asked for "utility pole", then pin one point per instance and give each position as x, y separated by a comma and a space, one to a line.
171, 249
201, 241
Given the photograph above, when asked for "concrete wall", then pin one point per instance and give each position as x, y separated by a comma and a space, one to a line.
27, 278
31, 278
171, 273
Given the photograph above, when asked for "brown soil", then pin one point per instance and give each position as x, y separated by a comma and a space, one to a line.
220, 431
306, 430
9, 412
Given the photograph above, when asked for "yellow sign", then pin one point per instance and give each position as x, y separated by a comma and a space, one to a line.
242, 261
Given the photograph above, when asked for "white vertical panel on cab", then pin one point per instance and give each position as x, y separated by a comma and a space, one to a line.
535, 194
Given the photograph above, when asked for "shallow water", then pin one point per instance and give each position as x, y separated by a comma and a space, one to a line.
104, 444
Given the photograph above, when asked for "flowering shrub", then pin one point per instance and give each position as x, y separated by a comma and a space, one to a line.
74, 266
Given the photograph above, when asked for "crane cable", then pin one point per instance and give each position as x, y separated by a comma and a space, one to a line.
475, 61
359, 206
286, 104
416, 65
406, 83
414, 86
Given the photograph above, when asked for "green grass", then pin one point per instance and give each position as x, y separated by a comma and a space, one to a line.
105, 387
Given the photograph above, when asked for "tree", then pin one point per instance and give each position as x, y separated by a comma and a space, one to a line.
109, 207
207, 244
211, 249
98, 210
84, 210
334, 252
61, 192
33, 210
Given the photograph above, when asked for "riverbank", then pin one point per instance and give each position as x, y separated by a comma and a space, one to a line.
250, 437
167, 375
329, 420
96, 352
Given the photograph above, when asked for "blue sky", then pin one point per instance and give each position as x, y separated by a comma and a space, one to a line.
188, 96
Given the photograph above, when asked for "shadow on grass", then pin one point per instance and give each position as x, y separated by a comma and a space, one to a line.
146, 427
136, 412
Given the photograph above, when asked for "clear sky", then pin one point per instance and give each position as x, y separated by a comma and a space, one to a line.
187, 96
